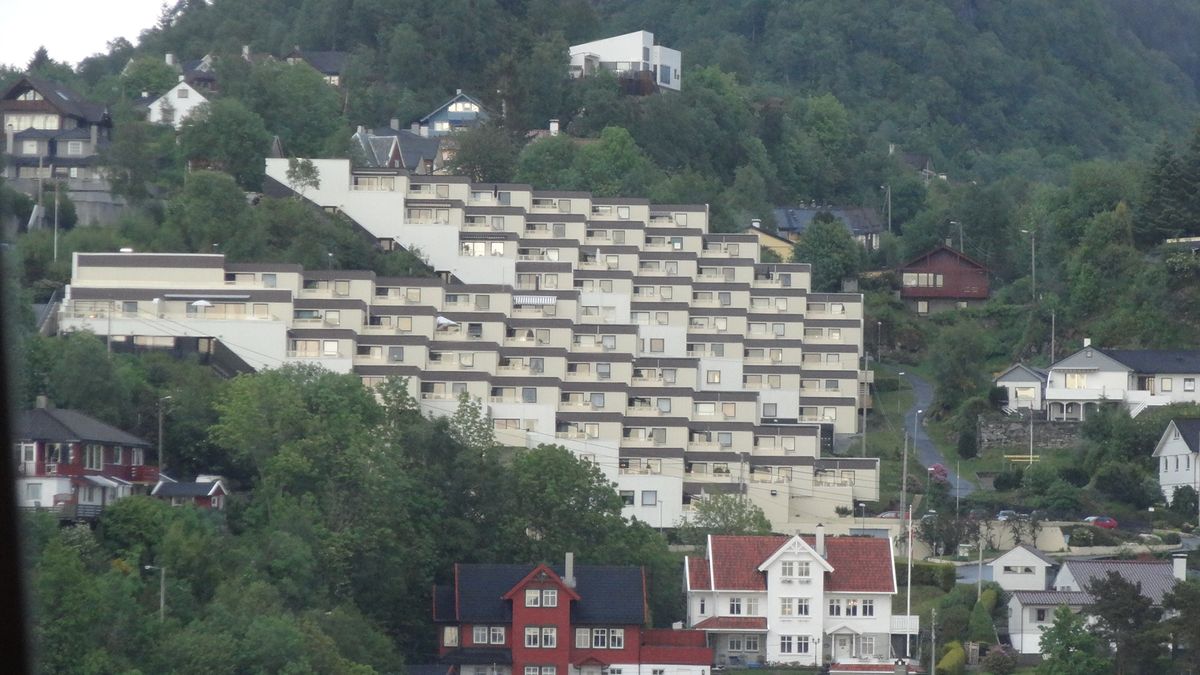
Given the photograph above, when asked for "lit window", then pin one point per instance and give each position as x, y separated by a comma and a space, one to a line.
533, 597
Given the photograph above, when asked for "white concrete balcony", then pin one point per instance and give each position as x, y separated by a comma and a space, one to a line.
905, 624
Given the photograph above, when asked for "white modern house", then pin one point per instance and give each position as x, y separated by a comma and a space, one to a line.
626, 56
1032, 612
176, 105
1024, 568
1176, 453
803, 600
1136, 378
1025, 385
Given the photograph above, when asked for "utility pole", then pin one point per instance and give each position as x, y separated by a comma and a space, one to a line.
1031, 437
888, 195
863, 404
933, 642
979, 570
908, 594
162, 404
162, 590
56, 186
1052, 336
957, 478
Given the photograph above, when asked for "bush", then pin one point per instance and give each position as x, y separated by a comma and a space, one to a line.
980, 628
1128, 484
1183, 501
1086, 535
999, 661
968, 443
1008, 480
997, 396
988, 599
1170, 538
953, 622
928, 574
953, 661
843, 511
1074, 475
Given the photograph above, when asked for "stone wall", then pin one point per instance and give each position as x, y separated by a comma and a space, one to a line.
1013, 432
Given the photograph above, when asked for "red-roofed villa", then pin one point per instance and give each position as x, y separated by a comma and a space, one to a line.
805, 600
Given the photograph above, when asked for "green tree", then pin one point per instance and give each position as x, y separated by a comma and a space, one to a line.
545, 163
723, 514
471, 426
226, 136
142, 156
1128, 620
614, 166
979, 627
1183, 602
147, 74
486, 154
211, 209
302, 175
956, 374
1069, 647
827, 245
1183, 501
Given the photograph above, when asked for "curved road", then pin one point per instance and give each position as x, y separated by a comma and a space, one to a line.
928, 453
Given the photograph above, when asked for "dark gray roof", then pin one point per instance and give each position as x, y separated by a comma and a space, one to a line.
328, 63
608, 594
61, 97
457, 97
1156, 577
1189, 429
414, 148
61, 426
184, 489
1153, 361
1069, 598
858, 220
1036, 373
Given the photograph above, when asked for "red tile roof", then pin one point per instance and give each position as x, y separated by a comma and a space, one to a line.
860, 564
698, 573
686, 656
733, 623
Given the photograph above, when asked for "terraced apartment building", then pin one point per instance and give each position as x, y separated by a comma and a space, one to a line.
622, 330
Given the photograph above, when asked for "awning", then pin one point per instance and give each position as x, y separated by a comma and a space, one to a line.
533, 299
101, 481
206, 296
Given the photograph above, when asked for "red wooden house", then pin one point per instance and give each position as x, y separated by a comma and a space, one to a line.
942, 279
543, 620
77, 465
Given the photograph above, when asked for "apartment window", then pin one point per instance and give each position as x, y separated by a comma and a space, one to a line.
802, 644
75, 148
497, 635
603, 371
835, 607
736, 644
1039, 615
623, 212
627, 497
867, 643
787, 644
600, 639
549, 637
713, 377
529, 394
649, 497
29, 147
787, 606
583, 638
770, 410
450, 636
531, 670
1076, 380
93, 457
533, 598
549, 597
480, 635
725, 439
657, 345
664, 405
735, 606
868, 607
802, 606
1166, 384
852, 607
1189, 384
703, 608
533, 636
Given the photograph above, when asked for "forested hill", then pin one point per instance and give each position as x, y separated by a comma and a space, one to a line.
983, 87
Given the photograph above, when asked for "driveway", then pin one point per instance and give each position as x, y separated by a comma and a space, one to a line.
928, 453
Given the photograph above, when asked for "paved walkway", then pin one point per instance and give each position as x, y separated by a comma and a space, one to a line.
928, 453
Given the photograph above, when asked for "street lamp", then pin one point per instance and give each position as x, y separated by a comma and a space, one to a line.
1032, 263
863, 506
904, 471
878, 340
888, 195
162, 406
960, 234
162, 590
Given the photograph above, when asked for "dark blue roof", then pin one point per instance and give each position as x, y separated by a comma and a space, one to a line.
1189, 430
608, 594
58, 425
856, 219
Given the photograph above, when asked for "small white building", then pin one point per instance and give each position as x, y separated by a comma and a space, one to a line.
1136, 378
1026, 386
176, 105
804, 600
1032, 612
1176, 453
629, 54
1024, 568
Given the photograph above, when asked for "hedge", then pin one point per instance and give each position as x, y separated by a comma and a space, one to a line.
927, 574
989, 598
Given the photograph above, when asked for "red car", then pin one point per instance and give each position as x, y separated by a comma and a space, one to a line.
1102, 521
939, 473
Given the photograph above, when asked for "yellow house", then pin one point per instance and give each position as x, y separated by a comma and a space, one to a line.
780, 245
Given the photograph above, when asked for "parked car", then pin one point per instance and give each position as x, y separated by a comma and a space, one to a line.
939, 472
1102, 521
1008, 514
890, 514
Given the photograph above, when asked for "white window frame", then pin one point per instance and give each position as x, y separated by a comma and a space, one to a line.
533, 637
533, 597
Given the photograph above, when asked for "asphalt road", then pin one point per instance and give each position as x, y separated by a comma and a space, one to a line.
928, 453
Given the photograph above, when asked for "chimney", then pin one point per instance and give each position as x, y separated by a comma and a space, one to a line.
145, 94
553, 127
170, 59
181, 77
1179, 566
246, 52
820, 540
756, 223
569, 570
95, 129
425, 131
415, 127
458, 92
394, 123
361, 129
42, 402
9, 132
1087, 342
